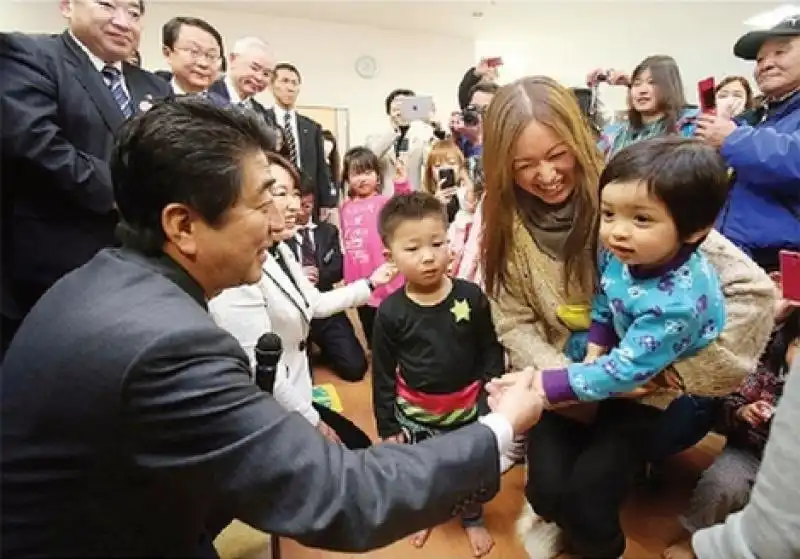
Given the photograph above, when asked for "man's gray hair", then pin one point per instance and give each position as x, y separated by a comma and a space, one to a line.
247, 43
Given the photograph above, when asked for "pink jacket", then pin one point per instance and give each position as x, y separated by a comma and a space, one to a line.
363, 249
464, 237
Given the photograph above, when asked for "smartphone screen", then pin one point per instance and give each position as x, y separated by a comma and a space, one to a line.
790, 274
707, 95
447, 178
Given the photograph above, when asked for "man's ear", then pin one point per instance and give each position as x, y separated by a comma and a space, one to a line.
65, 7
699, 236
166, 51
180, 228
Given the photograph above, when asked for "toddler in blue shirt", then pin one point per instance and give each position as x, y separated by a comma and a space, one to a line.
658, 299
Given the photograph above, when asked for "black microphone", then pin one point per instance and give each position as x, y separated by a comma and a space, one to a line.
268, 352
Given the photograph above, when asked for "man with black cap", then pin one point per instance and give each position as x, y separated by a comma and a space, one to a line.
762, 215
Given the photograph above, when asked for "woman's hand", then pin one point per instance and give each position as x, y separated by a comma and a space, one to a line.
383, 274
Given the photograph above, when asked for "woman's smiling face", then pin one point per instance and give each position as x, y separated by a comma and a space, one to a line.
544, 166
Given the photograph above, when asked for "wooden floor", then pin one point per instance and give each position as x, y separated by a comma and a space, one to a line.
649, 521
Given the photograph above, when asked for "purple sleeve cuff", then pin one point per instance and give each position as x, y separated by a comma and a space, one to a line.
603, 334
556, 386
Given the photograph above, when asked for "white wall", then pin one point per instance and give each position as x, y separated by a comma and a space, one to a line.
325, 53
566, 41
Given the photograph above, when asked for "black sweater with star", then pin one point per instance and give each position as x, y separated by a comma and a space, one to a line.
439, 349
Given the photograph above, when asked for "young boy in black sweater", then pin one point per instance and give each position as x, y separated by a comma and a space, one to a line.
434, 345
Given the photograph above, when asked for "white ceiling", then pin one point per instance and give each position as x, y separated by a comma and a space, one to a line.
498, 19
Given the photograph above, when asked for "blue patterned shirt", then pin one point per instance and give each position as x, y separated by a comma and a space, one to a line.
648, 319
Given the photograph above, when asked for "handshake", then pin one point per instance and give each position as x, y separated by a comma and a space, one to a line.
519, 397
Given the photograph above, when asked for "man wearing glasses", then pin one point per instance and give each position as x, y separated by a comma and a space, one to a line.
63, 99
193, 51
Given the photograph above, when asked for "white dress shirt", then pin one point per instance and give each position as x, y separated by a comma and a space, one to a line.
99, 64
280, 120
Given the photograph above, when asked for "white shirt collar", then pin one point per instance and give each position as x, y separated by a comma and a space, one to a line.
233, 94
93, 58
178, 90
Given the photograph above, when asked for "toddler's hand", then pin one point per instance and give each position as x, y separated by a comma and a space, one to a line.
755, 414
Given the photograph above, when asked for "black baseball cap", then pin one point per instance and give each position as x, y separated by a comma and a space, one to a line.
749, 44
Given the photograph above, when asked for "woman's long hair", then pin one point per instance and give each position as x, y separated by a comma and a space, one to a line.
670, 97
546, 101
334, 159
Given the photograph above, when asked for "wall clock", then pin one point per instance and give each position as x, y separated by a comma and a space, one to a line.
366, 67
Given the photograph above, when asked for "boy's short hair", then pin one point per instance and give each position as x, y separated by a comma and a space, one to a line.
687, 175
405, 207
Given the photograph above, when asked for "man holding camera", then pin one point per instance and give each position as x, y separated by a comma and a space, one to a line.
467, 126
403, 145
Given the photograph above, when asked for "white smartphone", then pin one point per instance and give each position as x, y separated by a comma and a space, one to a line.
416, 108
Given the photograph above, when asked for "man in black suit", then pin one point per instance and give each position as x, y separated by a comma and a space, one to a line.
302, 136
131, 423
318, 249
63, 99
250, 71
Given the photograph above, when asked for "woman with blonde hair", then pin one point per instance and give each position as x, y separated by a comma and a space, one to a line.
538, 255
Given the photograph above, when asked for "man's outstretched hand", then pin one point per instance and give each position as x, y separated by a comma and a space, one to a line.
518, 398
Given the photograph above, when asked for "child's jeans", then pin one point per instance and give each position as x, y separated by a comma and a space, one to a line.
682, 425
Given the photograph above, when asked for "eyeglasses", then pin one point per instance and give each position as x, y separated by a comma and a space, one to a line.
197, 54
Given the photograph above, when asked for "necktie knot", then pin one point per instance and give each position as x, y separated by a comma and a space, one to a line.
114, 78
111, 73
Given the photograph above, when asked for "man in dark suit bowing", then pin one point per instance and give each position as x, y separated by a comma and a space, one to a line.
303, 137
251, 64
63, 99
318, 249
131, 422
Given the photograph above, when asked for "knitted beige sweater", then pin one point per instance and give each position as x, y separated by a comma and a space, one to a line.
526, 322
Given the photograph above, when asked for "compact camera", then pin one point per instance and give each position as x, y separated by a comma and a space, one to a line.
472, 115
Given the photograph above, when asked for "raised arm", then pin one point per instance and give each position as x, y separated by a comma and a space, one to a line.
198, 418
764, 157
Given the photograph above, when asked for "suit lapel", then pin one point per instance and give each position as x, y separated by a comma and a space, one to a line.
92, 81
141, 97
304, 131
278, 277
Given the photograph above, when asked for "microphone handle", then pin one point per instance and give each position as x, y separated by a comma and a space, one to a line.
265, 377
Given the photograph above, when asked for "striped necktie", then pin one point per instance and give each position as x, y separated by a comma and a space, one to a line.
288, 136
113, 78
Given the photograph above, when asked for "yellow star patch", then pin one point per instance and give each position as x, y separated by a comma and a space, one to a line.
460, 310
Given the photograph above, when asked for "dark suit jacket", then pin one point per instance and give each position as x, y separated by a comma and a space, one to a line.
130, 423
330, 262
219, 88
312, 159
59, 120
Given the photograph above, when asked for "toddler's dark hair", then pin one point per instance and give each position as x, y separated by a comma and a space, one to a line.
360, 159
405, 207
687, 175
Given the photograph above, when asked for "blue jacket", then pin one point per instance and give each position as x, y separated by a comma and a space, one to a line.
763, 207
